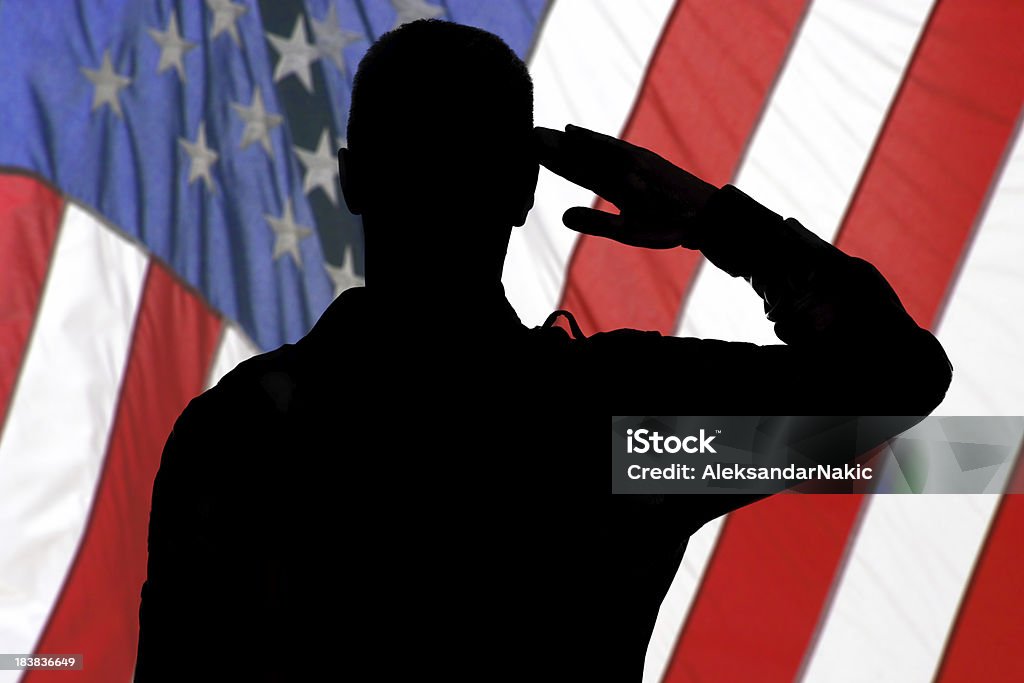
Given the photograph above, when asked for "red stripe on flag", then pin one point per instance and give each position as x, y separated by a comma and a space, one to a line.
30, 212
751, 621
912, 215
97, 613
702, 97
940, 150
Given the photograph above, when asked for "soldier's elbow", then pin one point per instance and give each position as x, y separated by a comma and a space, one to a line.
923, 371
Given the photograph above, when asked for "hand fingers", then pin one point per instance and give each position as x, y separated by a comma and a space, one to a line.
609, 146
594, 222
548, 147
594, 161
553, 152
618, 228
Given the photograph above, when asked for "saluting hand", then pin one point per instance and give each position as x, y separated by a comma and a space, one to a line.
658, 201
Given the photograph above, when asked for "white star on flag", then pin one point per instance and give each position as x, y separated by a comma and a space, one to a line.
288, 234
295, 55
411, 10
107, 83
321, 167
172, 47
331, 38
202, 158
344, 276
225, 14
258, 123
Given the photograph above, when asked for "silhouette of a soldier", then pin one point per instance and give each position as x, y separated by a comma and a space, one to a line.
419, 485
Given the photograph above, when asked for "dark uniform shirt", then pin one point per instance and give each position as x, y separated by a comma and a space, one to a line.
436, 502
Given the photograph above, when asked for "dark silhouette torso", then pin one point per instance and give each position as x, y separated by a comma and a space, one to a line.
437, 499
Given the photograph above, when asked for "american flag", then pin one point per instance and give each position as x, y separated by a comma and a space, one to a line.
169, 207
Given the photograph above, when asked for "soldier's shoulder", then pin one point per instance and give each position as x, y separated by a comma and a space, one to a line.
249, 389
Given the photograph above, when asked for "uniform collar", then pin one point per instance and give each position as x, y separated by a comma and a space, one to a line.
356, 307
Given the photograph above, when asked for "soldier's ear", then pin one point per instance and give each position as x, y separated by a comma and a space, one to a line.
348, 175
528, 189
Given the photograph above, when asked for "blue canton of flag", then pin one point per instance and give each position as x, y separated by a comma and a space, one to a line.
171, 120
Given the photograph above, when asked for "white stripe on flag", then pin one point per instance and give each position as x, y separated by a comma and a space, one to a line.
676, 605
234, 347
813, 141
588, 67
901, 588
56, 435
981, 328
917, 591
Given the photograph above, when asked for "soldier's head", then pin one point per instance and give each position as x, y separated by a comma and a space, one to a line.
439, 160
